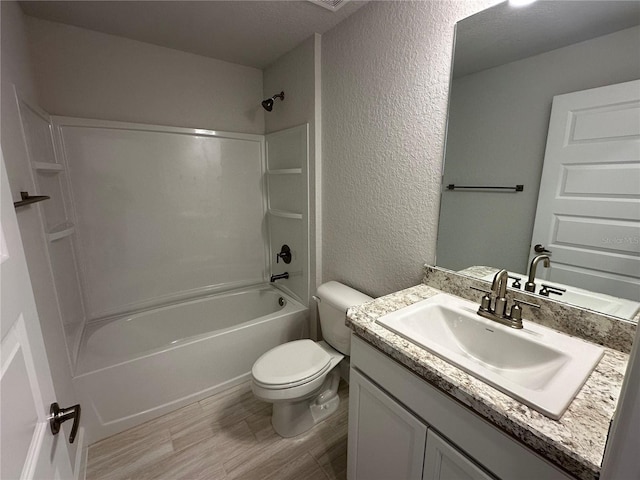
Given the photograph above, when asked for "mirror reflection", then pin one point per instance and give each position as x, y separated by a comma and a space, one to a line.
547, 97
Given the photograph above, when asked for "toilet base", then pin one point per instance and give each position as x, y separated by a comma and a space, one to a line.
290, 419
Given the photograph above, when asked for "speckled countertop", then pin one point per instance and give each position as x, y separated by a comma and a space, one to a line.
575, 442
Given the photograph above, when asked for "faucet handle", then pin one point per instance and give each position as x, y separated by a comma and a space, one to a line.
547, 289
285, 254
516, 282
517, 302
485, 303
516, 310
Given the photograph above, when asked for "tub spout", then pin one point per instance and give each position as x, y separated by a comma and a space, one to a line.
279, 276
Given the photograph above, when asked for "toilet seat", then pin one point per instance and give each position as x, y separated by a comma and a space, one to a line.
290, 365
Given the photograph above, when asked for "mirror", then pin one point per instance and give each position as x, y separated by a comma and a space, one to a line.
508, 65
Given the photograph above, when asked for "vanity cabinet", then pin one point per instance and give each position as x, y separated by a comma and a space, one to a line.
443, 461
402, 427
385, 440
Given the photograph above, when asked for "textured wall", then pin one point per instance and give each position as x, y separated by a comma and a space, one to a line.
385, 79
294, 73
82, 73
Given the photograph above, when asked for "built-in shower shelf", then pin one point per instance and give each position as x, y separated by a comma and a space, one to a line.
60, 231
47, 167
285, 171
285, 214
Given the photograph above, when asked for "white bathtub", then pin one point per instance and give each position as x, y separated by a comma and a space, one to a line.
133, 368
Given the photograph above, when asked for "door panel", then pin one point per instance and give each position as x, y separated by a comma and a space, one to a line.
588, 211
385, 440
17, 397
445, 462
29, 450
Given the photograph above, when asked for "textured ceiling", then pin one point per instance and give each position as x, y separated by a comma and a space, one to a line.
504, 34
252, 33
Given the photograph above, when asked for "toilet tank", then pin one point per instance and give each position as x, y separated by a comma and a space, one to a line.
334, 299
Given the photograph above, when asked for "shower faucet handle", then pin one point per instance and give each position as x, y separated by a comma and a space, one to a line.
285, 254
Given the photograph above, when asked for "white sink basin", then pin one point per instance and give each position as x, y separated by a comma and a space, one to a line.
538, 366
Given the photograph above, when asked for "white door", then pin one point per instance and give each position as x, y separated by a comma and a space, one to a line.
27, 449
385, 440
588, 212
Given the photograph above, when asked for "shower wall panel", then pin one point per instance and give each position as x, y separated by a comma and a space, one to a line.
163, 213
287, 153
56, 285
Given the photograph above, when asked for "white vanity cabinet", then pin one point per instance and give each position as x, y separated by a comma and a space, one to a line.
403, 428
385, 440
443, 461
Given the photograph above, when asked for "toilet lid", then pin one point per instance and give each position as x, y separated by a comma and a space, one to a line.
291, 364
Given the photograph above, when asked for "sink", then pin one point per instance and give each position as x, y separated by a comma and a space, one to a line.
598, 302
538, 366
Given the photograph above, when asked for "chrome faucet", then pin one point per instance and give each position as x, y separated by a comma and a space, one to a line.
530, 286
494, 303
499, 290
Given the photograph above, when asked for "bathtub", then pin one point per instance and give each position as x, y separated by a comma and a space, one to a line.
133, 368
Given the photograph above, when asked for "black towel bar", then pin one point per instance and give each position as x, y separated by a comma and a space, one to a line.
517, 188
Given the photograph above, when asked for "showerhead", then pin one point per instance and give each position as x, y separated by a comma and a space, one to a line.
268, 103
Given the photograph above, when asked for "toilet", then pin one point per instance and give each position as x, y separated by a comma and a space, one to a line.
300, 378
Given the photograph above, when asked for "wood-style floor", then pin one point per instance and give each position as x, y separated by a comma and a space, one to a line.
226, 436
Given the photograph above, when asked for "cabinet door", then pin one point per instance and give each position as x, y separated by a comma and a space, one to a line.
445, 462
385, 440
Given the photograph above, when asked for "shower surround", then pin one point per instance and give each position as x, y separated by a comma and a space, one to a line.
162, 213
176, 231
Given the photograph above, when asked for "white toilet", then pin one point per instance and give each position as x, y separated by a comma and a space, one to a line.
300, 377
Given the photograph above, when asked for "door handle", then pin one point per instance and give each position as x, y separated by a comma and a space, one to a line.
59, 415
539, 248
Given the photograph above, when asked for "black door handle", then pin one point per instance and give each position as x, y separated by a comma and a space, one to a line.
539, 248
59, 415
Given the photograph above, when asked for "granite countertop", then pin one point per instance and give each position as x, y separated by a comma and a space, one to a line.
576, 442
